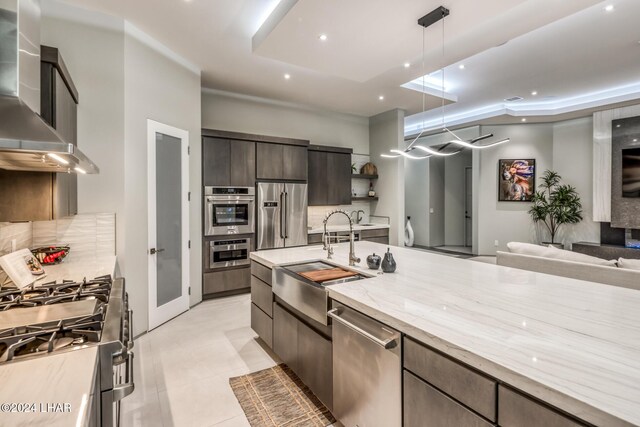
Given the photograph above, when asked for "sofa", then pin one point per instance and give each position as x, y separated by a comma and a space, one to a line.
525, 256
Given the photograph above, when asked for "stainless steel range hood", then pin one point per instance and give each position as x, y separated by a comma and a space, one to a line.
27, 142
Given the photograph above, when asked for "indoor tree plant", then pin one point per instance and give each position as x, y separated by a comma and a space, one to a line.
555, 204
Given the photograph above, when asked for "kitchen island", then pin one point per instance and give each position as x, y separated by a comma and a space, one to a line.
571, 344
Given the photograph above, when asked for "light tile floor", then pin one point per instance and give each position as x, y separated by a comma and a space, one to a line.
182, 368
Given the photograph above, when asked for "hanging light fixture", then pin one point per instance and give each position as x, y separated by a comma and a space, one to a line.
429, 19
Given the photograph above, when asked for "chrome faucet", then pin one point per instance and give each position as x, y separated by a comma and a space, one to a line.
358, 217
326, 239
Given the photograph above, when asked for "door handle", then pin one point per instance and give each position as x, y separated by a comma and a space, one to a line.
154, 251
286, 212
334, 313
282, 214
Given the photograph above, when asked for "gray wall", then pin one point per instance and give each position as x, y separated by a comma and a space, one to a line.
159, 89
507, 221
386, 132
98, 74
267, 117
573, 159
454, 197
121, 83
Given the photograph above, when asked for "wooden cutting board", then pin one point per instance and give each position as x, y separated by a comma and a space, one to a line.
320, 276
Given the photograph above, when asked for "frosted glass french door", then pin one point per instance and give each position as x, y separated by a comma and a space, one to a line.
168, 222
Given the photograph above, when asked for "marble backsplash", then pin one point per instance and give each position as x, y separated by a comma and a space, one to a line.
89, 235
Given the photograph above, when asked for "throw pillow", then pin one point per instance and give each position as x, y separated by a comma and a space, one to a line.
578, 257
631, 264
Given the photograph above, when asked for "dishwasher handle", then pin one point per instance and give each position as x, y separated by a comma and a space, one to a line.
387, 344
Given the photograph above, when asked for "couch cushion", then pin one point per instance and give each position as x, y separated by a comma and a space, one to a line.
578, 257
528, 249
631, 264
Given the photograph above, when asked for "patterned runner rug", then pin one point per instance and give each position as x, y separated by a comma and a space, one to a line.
276, 397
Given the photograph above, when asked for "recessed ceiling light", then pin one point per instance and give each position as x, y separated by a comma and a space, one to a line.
287, 76
381, 97
407, 65
635, 139
534, 93
523, 119
461, 66
322, 37
609, 8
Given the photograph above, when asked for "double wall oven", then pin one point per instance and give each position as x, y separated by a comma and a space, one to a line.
228, 226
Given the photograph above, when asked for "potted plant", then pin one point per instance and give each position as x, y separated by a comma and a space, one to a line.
555, 204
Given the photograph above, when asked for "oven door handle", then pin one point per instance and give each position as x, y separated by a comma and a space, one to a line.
130, 327
123, 390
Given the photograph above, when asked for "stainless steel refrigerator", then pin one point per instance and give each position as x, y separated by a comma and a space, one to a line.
282, 215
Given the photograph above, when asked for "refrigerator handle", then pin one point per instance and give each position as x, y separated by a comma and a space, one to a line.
282, 214
286, 214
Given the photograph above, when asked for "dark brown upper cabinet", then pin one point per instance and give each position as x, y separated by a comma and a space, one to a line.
329, 175
228, 162
42, 196
281, 162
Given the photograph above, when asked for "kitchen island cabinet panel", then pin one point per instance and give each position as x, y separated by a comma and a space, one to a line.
262, 295
285, 336
517, 410
469, 387
424, 405
315, 363
261, 272
262, 325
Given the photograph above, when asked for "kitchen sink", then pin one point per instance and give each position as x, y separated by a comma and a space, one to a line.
308, 296
367, 225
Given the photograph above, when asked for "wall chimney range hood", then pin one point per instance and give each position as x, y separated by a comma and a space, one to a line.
27, 142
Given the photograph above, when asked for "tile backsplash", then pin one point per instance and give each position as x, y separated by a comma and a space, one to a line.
89, 235
21, 232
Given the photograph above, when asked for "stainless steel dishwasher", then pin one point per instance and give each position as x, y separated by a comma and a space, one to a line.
367, 370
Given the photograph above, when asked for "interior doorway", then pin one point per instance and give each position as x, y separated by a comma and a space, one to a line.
468, 206
168, 204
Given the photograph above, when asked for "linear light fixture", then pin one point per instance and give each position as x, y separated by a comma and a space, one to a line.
438, 14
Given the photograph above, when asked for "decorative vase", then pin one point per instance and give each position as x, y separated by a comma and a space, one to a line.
388, 263
408, 233
369, 169
373, 261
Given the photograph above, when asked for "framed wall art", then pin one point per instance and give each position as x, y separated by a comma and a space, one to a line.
516, 180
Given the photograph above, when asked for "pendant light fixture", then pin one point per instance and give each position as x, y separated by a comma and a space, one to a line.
441, 151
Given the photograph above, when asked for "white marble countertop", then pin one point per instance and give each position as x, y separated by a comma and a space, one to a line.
79, 269
345, 227
65, 378
571, 343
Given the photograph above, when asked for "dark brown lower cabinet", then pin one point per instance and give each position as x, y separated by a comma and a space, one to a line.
226, 281
285, 336
425, 406
262, 324
307, 352
517, 410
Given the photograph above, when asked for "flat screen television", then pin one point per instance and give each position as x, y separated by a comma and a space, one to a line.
631, 172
